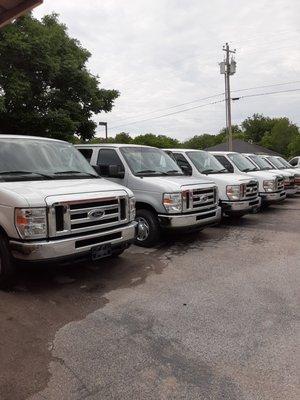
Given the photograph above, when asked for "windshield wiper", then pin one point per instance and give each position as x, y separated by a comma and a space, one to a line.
26, 173
207, 171
147, 171
174, 170
222, 170
71, 172
250, 170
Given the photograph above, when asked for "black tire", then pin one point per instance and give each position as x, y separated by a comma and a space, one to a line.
7, 265
151, 224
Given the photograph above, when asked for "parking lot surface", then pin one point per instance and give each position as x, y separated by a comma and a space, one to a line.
209, 315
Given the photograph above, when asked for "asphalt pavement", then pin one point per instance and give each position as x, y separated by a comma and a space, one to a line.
210, 315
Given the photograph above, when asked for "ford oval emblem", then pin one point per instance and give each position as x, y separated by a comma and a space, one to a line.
203, 198
95, 214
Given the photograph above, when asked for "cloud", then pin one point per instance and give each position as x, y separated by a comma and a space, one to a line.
160, 53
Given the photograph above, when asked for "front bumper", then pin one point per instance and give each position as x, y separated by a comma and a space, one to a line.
291, 191
210, 217
240, 207
75, 246
273, 197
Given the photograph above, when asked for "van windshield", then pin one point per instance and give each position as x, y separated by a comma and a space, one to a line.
260, 162
284, 162
35, 159
206, 163
276, 162
148, 161
242, 163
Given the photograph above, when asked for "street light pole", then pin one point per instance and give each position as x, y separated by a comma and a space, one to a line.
104, 124
228, 68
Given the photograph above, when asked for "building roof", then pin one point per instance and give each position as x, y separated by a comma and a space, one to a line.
240, 146
11, 9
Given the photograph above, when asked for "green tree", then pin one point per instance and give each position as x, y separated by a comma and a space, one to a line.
256, 127
294, 146
123, 137
160, 141
45, 86
200, 141
237, 133
282, 137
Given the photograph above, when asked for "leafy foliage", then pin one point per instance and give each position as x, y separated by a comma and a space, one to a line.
277, 134
256, 127
45, 87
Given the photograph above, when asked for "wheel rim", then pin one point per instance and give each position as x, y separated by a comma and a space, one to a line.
143, 229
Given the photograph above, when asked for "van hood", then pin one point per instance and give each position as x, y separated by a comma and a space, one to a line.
230, 179
265, 175
36, 193
282, 172
166, 184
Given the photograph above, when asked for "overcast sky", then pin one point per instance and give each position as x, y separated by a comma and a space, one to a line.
162, 53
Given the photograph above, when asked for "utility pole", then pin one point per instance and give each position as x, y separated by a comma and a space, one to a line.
227, 68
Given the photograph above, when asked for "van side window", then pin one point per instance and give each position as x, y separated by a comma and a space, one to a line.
183, 163
294, 162
87, 153
108, 157
226, 163
181, 160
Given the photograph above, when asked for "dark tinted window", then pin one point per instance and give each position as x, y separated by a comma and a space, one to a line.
294, 162
226, 163
183, 163
108, 157
87, 153
181, 160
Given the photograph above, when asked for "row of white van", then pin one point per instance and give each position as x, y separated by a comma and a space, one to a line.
56, 204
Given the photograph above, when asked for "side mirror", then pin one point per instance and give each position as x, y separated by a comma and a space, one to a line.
114, 171
230, 168
186, 170
97, 169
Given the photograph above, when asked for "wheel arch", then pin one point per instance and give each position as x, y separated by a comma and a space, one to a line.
140, 205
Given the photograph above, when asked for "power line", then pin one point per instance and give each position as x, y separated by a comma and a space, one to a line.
169, 108
265, 86
169, 114
266, 93
204, 105
201, 99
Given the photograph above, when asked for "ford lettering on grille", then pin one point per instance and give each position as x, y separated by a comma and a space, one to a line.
95, 214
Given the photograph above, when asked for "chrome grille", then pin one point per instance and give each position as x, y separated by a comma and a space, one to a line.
82, 217
251, 190
279, 184
200, 199
289, 183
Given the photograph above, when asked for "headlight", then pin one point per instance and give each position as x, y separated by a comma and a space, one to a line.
269, 186
31, 223
234, 192
131, 208
172, 202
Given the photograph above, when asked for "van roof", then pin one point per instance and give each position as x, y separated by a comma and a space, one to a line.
223, 152
116, 145
180, 149
29, 137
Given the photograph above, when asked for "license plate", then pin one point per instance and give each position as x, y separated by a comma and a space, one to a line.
101, 251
